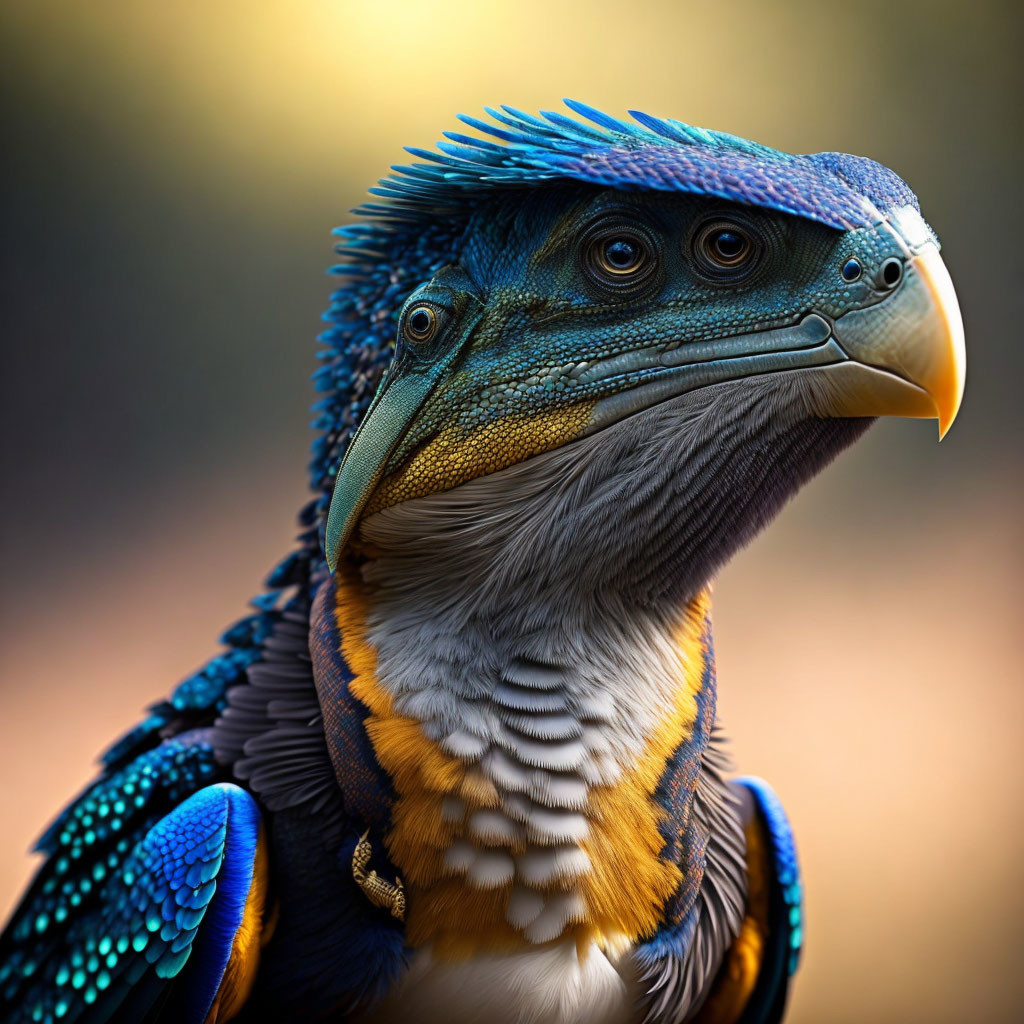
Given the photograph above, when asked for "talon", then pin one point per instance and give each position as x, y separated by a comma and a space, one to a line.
378, 891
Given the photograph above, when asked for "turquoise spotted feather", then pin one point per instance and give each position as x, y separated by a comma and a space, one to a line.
194, 864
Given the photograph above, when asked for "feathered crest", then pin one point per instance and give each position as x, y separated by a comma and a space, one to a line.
652, 153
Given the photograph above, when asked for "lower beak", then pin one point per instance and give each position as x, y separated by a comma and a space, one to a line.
906, 353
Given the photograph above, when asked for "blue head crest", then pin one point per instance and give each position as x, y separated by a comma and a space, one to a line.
836, 189
421, 222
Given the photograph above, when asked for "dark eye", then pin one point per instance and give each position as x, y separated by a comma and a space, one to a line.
618, 257
622, 256
726, 251
728, 248
851, 270
420, 324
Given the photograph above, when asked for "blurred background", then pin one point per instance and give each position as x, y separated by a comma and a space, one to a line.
173, 171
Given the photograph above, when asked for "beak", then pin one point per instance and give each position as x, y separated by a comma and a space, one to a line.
385, 424
906, 353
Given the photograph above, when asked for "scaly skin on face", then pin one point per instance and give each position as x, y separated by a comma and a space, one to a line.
533, 350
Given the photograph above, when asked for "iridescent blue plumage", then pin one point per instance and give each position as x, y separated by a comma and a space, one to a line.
652, 154
786, 916
102, 851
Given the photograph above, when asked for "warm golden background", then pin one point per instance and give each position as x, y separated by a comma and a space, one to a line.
173, 170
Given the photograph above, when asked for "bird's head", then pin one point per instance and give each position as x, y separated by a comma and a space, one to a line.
736, 315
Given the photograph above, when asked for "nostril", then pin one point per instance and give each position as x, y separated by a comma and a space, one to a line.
891, 272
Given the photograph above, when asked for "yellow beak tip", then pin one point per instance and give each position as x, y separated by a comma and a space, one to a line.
950, 371
946, 418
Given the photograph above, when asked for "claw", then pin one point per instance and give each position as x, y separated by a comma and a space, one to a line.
378, 891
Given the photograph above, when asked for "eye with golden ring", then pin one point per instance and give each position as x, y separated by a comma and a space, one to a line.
725, 251
727, 248
619, 257
420, 324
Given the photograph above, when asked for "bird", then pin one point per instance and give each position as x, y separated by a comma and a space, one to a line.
461, 761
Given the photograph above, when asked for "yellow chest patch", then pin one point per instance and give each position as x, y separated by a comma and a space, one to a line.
614, 883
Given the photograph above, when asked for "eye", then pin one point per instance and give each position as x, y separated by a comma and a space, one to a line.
851, 271
726, 251
727, 248
619, 258
420, 324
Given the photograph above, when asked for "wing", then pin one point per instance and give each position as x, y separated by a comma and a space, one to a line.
268, 733
782, 924
145, 776
752, 985
110, 924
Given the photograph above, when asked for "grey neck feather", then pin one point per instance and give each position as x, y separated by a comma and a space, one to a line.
646, 510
